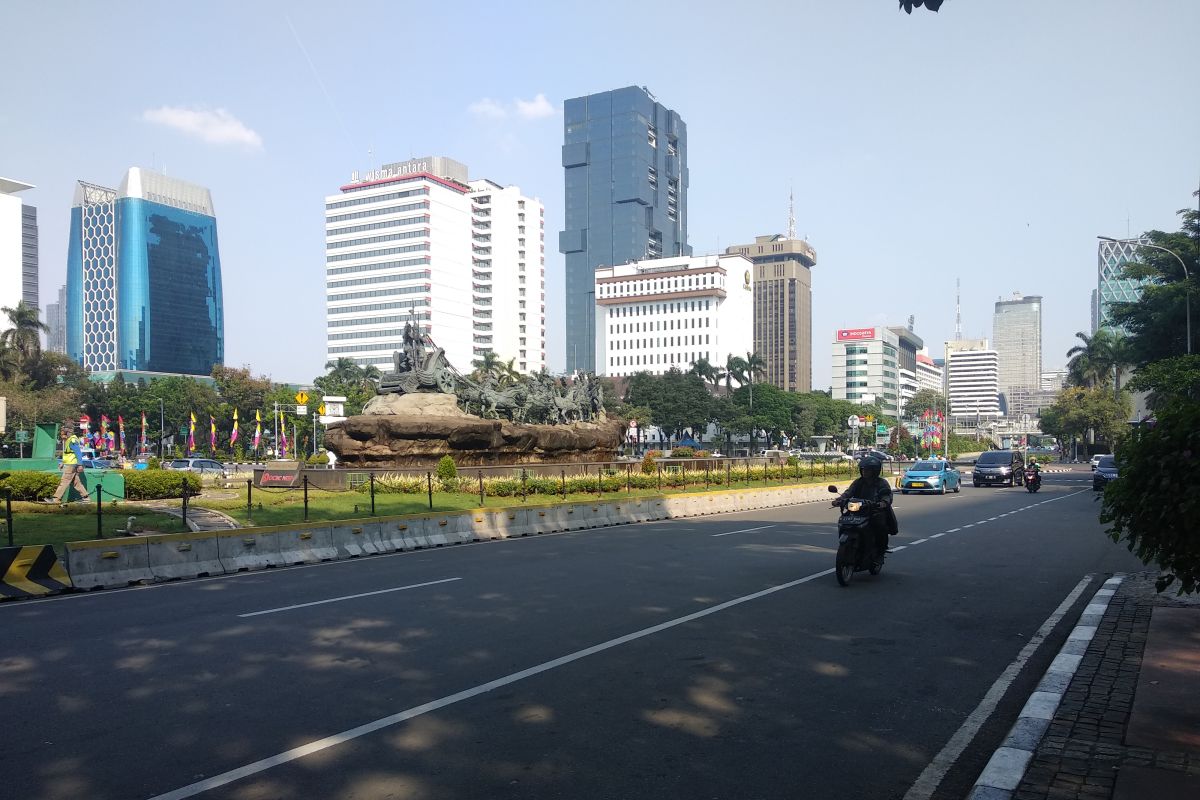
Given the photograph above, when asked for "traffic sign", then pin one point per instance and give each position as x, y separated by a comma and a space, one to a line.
881, 429
302, 410
321, 409
301, 398
853, 422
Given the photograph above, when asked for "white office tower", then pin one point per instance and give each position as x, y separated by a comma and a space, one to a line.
670, 312
508, 275
18, 247
417, 242
929, 374
866, 367
1017, 335
972, 379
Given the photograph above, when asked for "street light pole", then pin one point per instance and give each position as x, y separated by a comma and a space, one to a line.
1187, 301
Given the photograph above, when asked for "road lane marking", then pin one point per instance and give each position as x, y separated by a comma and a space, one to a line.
927, 783
981, 522
346, 597
936, 535
744, 530
897, 548
952, 530
918, 541
991, 519
193, 789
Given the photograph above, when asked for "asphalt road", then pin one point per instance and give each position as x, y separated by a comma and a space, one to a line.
711, 657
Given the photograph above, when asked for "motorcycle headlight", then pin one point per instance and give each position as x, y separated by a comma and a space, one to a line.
854, 506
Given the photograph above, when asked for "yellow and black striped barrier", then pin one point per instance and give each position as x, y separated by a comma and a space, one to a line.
31, 572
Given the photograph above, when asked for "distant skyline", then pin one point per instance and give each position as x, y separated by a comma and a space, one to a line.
989, 142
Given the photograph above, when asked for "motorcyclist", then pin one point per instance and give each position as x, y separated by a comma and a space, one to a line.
1037, 470
870, 486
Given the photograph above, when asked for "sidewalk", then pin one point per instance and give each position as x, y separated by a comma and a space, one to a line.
1128, 726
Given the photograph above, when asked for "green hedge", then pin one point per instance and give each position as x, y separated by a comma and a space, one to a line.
158, 484
392, 483
30, 485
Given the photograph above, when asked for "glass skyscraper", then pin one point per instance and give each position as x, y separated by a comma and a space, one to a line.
144, 277
1111, 284
625, 160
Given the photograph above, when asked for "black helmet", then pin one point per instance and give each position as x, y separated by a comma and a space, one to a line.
870, 467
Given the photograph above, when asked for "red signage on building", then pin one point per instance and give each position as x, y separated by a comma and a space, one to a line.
854, 334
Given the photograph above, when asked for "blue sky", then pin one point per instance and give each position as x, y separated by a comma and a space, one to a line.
991, 142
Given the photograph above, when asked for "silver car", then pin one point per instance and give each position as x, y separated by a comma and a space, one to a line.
202, 466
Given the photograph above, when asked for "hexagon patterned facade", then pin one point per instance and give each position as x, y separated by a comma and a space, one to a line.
144, 278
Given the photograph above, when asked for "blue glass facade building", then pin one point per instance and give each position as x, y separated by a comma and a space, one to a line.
144, 278
625, 161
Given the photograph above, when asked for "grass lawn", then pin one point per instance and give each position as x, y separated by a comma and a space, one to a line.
34, 523
280, 507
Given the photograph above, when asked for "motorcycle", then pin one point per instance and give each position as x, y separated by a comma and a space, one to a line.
856, 540
1033, 480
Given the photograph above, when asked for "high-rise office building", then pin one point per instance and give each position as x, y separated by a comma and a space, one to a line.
782, 308
671, 312
866, 367
972, 380
908, 344
1111, 285
56, 321
18, 247
625, 161
929, 373
417, 241
144, 277
1017, 334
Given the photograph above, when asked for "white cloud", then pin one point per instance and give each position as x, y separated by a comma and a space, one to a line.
215, 127
487, 107
537, 108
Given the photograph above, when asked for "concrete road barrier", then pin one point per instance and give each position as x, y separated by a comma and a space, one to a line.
246, 550
310, 545
357, 538
32, 571
396, 535
175, 556
108, 563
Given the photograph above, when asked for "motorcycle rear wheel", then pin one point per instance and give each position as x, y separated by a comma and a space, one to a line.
876, 566
844, 565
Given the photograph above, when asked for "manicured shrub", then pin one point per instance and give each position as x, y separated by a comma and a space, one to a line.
153, 463
159, 484
648, 461
30, 485
683, 452
703, 454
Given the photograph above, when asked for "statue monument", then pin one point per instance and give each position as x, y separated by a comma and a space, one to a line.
426, 409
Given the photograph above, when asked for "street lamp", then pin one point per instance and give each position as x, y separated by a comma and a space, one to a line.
1187, 302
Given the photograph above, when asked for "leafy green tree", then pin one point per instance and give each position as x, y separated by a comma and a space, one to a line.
239, 389
909, 5
1157, 321
683, 403
1078, 410
1170, 379
23, 335
924, 400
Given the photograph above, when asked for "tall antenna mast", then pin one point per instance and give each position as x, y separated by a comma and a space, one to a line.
791, 215
958, 309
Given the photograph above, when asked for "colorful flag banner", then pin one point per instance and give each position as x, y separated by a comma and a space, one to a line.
142, 446
121, 428
191, 440
212, 432
233, 437
257, 428
283, 440
103, 432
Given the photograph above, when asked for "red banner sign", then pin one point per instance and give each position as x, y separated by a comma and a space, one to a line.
853, 334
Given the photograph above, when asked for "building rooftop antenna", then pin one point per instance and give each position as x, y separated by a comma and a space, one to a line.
791, 215
958, 309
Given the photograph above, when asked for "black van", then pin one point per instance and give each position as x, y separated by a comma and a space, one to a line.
1005, 467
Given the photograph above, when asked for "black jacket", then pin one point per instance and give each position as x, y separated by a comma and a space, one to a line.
877, 490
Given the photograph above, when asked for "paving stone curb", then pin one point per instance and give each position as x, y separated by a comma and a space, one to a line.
1007, 766
1084, 747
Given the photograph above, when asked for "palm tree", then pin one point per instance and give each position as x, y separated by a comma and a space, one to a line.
488, 365
370, 377
1091, 363
507, 373
735, 370
703, 370
756, 367
346, 370
24, 335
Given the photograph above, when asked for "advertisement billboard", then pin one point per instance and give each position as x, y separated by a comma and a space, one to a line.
855, 334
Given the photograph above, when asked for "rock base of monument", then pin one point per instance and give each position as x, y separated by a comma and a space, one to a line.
414, 431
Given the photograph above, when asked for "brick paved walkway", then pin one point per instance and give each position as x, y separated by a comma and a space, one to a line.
1083, 749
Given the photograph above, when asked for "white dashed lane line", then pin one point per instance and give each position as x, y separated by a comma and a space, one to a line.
936, 535
952, 530
918, 541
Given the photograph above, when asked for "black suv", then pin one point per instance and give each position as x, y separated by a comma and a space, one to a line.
999, 466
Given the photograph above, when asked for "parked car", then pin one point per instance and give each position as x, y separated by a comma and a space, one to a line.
931, 476
882, 456
96, 463
1106, 473
1096, 460
203, 466
999, 467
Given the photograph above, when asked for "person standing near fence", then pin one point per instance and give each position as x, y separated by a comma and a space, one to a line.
72, 469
